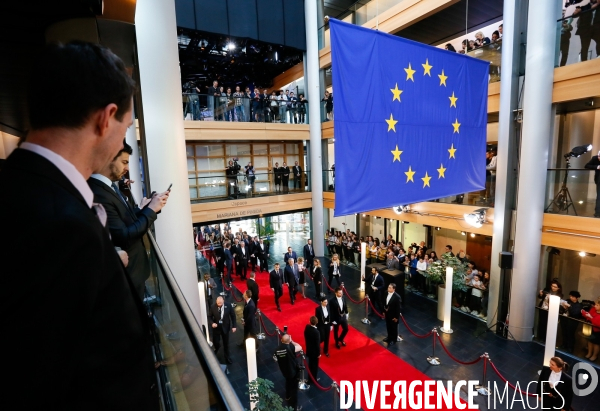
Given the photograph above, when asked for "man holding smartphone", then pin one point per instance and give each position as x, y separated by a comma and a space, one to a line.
127, 225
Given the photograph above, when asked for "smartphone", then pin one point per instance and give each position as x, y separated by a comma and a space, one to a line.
170, 185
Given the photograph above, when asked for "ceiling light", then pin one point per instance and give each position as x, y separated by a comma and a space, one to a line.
476, 218
438, 228
582, 254
463, 233
580, 202
472, 235
401, 209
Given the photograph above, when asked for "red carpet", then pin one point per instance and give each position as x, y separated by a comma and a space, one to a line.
361, 359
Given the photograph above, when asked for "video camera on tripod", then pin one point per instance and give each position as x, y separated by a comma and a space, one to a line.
563, 201
236, 166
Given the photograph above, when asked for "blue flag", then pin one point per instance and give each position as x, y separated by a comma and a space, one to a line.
410, 120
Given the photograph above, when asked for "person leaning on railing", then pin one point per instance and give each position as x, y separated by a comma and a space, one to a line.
594, 164
593, 345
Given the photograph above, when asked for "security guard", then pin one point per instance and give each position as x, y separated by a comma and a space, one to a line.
285, 356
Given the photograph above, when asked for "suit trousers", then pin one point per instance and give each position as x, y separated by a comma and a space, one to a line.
291, 391
392, 329
264, 266
293, 290
344, 324
313, 366
337, 278
242, 270
218, 334
325, 332
278, 293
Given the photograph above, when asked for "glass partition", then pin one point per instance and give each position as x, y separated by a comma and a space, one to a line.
574, 34
570, 191
492, 53
261, 109
189, 374
329, 180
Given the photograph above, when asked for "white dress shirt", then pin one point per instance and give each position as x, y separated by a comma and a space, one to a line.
325, 312
340, 302
554, 378
65, 167
389, 297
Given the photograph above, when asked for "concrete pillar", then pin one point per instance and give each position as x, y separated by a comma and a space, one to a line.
515, 15
537, 129
135, 172
156, 32
313, 95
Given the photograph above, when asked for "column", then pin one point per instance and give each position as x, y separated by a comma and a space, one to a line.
313, 95
156, 32
135, 172
537, 129
515, 13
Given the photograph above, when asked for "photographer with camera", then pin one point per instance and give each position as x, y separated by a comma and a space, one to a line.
231, 172
250, 175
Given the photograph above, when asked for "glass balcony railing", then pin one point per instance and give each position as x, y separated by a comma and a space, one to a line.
491, 52
189, 374
220, 187
203, 107
570, 191
574, 32
329, 180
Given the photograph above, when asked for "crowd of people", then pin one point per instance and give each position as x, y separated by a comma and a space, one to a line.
479, 41
583, 17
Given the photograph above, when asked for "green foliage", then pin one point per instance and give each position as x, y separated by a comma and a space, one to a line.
437, 271
261, 392
264, 230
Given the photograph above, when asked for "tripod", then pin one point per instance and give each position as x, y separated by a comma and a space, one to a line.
562, 201
505, 328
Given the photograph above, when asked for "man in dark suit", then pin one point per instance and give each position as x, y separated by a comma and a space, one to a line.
277, 177
324, 324
242, 255
276, 280
391, 311
290, 254
221, 318
594, 164
73, 367
253, 286
127, 226
309, 255
313, 346
292, 278
249, 318
297, 172
228, 257
263, 255
285, 178
288, 364
376, 289
339, 317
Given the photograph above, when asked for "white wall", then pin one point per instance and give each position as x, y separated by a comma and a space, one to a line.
446, 236
413, 233
342, 223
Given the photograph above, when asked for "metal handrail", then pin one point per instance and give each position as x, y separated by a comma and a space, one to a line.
571, 169
197, 338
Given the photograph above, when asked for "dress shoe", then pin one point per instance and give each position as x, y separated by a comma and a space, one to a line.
344, 343
279, 309
292, 303
386, 340
338, 346
326, 354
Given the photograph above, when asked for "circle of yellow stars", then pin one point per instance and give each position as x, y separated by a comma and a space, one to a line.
410, 73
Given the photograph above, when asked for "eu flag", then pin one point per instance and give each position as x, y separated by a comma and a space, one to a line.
410, 120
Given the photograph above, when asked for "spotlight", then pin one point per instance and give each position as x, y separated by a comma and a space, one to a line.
401, 209
463, 233
231, 46
405, 222
582, 254
476, 218
473, 235
438, 228
578, 151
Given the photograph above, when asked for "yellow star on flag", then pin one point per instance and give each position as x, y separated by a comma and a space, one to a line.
396, 154
391, 123
396, 93
442, 78
452, 150
441, 171
456, 125
409, 73
427, 67
426, 180
409, 174
453, 100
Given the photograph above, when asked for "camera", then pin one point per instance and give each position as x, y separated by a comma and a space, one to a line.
235, 167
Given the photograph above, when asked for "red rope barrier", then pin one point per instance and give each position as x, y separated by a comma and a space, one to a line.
453, 357
316, 384
375, 311
412, 332
265, 327
327, 284
225, 285
350, 298
235, 298
506, 381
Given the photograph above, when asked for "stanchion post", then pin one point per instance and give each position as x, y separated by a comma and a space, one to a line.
363, 263
366, 319
553, 307
336, 393
302, 383
448, 301
224, 292
261, 334
251, 359
433, 360
322, 284
203, 312
482, 388
399, 339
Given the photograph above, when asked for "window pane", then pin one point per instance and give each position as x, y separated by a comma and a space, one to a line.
216, 165
193, 193
276, 149
213, 191
189, 150
260, 149
238, 150
292, 159
261, 162
209, 150
291, 148
190, 164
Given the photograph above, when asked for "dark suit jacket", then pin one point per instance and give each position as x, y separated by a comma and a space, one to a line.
293, 255
249, 316
312, 338
228, 317
262, 252
241, 257
594, 162
253, 286
297, 170
309, 255
565, 389
127, 228
317, 275
290, 278
392, 310
323, 321
65, 355
379, 283
335, 313
276, 279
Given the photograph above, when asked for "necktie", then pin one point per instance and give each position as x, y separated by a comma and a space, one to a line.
116, 188
100, 212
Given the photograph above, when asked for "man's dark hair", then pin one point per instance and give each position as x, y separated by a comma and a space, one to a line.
338, 289
393, 285
126, 149
449, 247
73, 81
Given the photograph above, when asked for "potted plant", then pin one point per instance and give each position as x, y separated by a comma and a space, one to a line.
264, 398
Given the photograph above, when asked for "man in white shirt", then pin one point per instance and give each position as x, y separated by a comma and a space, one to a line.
391, 311
339, 317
